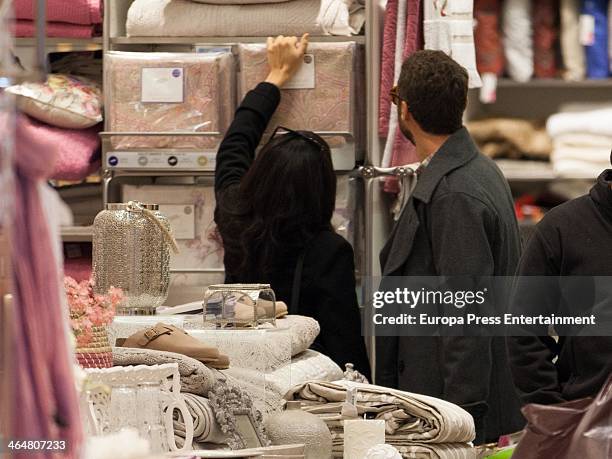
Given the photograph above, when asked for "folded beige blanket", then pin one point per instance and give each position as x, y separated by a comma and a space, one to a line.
511, 138
409, 417
205, 426
268, 389
196, 378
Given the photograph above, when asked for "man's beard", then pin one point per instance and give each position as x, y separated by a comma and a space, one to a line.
406, 132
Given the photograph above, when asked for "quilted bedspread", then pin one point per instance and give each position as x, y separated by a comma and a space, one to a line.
207, 99
327, 107
185, 18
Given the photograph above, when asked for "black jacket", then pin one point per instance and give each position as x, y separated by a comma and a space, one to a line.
328, 291
573, 239
459, 221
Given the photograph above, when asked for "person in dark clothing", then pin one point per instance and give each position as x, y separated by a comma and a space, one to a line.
459, 221
573, 239
274, 215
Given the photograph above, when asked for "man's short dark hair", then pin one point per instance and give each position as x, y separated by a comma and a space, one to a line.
435, 88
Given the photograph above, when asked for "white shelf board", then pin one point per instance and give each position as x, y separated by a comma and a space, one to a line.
76, 233
219, 40
554, 83
533, 171
63, 45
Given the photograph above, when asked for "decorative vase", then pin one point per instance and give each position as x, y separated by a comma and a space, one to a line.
98, 352
296, 426
131, 251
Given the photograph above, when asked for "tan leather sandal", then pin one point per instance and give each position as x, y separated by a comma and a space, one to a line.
168, 338
221, 362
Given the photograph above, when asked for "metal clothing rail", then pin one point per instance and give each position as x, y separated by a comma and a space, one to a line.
369, 172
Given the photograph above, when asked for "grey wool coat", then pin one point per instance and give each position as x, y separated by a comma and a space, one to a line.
459, 221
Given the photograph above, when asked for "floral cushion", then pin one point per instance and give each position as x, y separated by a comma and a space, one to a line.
64, 101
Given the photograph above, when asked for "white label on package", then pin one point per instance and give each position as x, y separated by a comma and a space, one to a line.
182, 219
304, 78
162, 85
587, 30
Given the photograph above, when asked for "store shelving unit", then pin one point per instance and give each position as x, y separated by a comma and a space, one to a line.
76, 233
548, 83
116, 39
219, 40
538, 99
62, 45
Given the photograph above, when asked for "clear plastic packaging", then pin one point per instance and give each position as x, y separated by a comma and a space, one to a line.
169, 92
328, 107
231, 305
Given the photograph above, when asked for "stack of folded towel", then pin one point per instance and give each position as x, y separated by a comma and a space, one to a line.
417, 425
197, 378
227, 18
66, 18
582, 140
511, 138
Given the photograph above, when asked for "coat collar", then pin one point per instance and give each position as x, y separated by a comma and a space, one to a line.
458, 149
601, 193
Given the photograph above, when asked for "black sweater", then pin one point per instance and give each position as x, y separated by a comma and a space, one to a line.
573, 239
328, 292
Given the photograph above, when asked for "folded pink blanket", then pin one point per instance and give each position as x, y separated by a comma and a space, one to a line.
25, 28
72, 11
78, 152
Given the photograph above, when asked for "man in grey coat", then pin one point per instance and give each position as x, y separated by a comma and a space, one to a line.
459, 221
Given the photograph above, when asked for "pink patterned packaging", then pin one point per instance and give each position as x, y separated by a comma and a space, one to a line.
202, 97
328, 107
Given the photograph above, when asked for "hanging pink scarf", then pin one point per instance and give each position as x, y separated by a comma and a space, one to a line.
399, 150
44, 396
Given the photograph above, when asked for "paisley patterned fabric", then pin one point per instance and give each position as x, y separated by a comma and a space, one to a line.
327, 107
487, 36
545, 35
63, 101
207, 106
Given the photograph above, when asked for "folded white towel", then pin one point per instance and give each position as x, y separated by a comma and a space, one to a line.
594, 155
584, 140
597, 122
580, 169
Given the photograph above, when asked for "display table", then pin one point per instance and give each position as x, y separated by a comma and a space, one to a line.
264, 362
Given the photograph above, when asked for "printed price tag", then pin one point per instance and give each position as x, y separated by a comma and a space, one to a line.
587, 30
162, 85
304, 78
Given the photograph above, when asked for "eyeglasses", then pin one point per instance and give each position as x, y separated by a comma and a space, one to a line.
394, 95
306, 137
